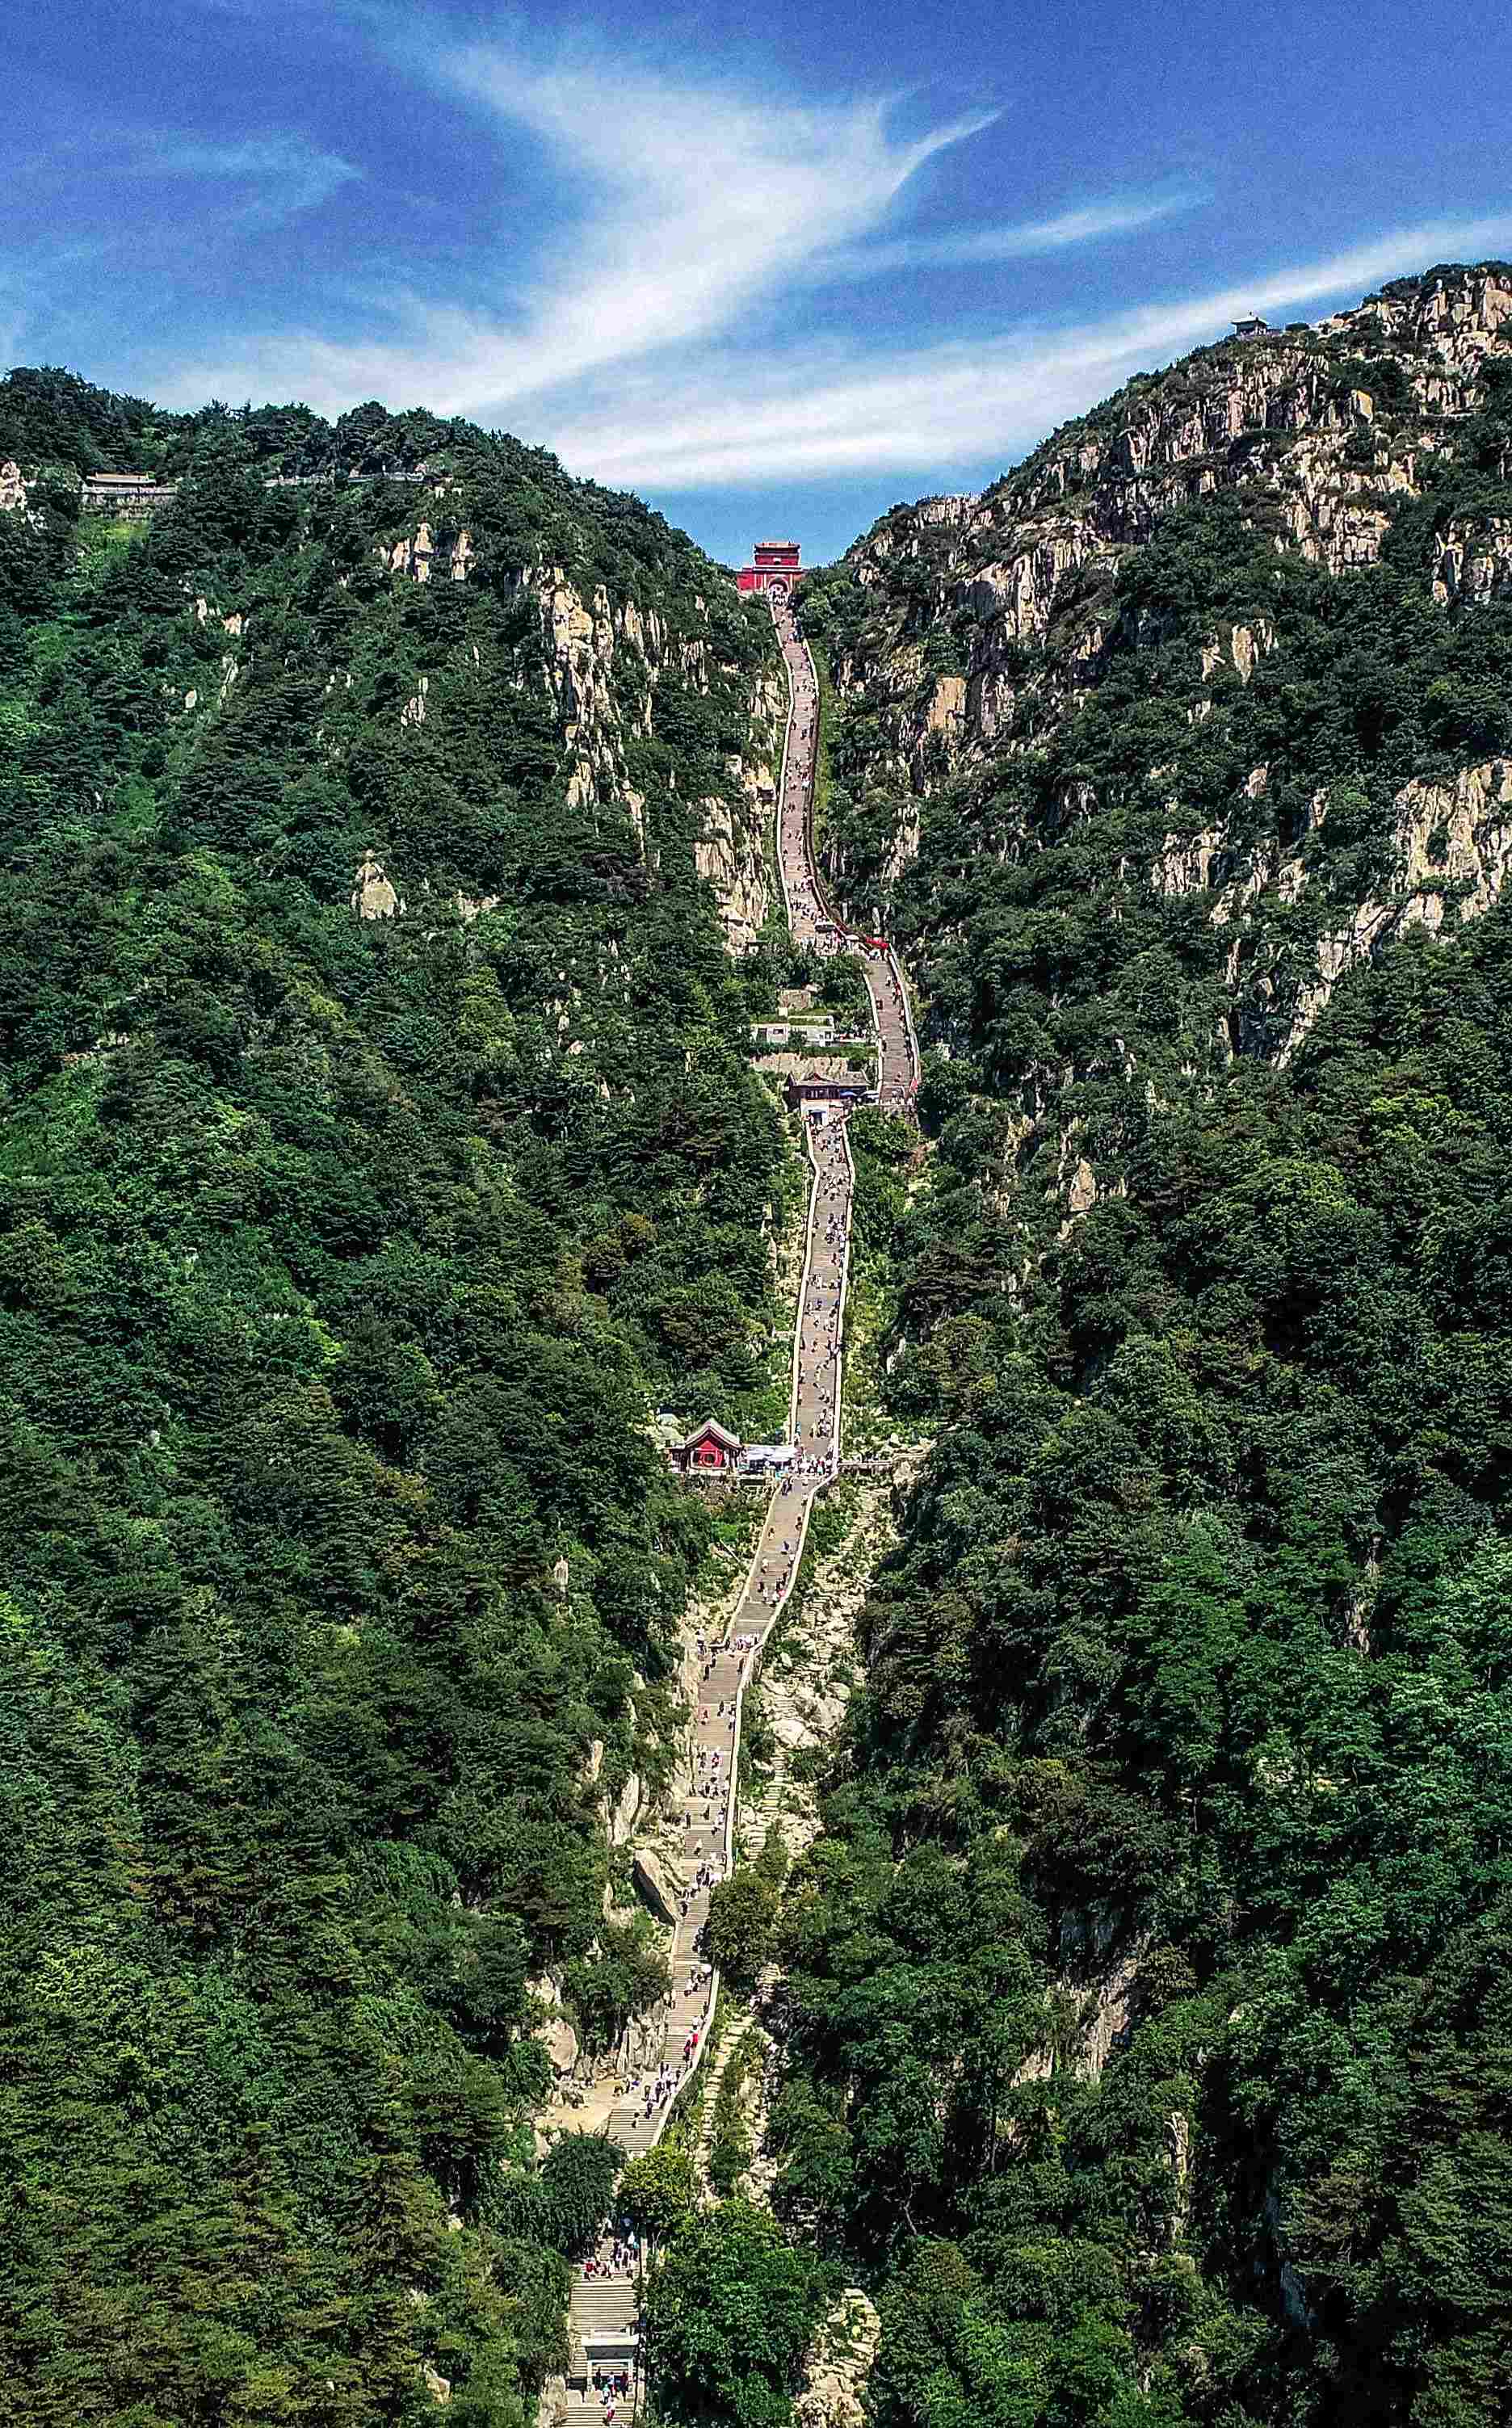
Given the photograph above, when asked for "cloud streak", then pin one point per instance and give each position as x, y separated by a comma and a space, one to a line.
1088, 223
959, 403
686, 205
285, 172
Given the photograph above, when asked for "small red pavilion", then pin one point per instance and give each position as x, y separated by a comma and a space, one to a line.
709, 1448
776, 568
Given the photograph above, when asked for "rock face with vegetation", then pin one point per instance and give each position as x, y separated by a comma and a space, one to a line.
379, 1150
989, 617
1147, 1982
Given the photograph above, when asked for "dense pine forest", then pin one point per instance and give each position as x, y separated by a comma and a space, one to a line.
344, 1260
1148, 2008
381, 1150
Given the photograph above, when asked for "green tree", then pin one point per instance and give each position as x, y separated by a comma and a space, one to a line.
742, 1925
577, 2175
658, 2189
731, 2312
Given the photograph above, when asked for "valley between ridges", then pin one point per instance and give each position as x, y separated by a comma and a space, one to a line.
603, 2321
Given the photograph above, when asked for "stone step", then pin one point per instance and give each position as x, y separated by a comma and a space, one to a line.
603, 2304
590, 2415
600, 2308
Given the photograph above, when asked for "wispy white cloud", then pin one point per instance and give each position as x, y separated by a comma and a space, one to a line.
700, 199
683, 207
834, 412
267, 176
276, 174
682, 203
1088, 224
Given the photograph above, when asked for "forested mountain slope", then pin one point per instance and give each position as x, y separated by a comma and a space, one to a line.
378, 1150
1148, 1987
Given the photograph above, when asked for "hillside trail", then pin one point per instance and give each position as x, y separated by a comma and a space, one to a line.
604, 2325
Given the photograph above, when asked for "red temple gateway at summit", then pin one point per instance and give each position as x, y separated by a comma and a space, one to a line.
776, 568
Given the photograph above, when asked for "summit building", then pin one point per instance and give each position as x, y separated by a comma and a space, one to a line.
776, 568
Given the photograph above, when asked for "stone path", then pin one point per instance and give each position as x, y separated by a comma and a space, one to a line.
603, 2311
809, 915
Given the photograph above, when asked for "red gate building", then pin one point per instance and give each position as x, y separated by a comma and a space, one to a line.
776, 568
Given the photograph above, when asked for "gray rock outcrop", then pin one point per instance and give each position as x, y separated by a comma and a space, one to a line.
657, 1883
372, 896
1033, 562
832, 2392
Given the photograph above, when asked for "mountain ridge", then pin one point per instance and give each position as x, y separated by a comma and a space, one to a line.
385, 920
378, 1149
1145, 1980
968, 637
1274, 418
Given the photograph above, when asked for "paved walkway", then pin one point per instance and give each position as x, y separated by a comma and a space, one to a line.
603, 2308
808, 914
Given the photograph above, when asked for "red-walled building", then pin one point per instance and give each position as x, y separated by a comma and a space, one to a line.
776, 568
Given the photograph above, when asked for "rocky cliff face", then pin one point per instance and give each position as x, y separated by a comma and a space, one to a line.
1235, 645
1475, 564
604, 661
1022, 577
1451, 849
834, 2375
731, 853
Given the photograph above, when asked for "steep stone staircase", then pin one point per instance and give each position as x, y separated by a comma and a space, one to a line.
604, 2325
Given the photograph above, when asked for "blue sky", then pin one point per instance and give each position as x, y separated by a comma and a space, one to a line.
773, 270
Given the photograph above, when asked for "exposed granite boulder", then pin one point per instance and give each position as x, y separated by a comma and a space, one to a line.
831, 2394
657, 1883
372, 896
551, 2406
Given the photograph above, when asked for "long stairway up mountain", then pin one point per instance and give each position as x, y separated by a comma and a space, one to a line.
603, 2308
810, 917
